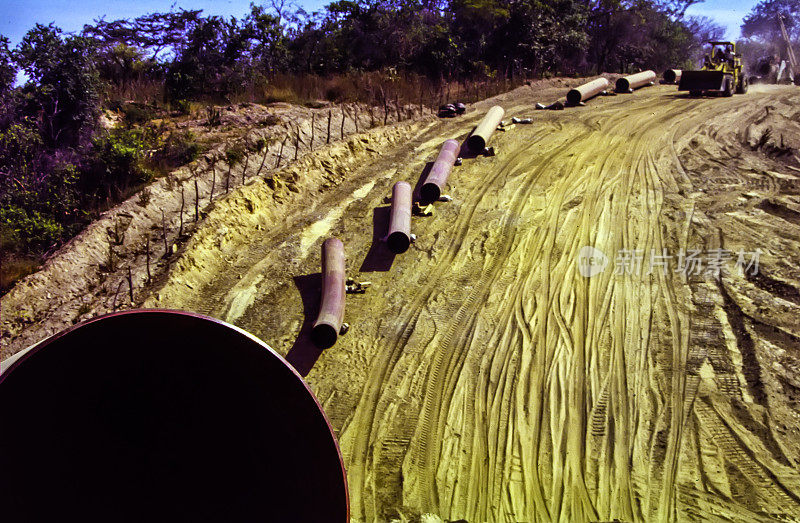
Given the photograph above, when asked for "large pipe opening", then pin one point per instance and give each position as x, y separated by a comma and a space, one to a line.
672, 76
326, 329
480, 136
163, 416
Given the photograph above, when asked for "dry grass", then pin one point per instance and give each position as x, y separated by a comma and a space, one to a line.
148, 91
374, 88
15, 267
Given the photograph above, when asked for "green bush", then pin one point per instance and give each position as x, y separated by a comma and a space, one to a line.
234, 155
182, 106
178, 149
137, 114
28, 229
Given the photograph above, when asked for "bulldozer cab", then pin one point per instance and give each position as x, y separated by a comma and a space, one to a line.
722, 57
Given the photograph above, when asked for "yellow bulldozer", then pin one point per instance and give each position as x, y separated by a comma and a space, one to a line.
722, 73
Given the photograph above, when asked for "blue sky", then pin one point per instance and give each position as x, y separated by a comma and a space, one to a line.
727, 13
17, 16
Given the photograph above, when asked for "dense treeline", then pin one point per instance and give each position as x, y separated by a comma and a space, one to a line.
446, 40
58, 166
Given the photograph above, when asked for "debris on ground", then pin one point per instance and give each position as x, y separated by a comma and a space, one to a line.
489, 151
521, 120
356, 287
419, 210
458, 161
452, 110
445, 198
555, 106
447, 111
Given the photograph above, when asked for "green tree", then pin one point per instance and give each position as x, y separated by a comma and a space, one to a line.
63, 84
762, 21
8, 71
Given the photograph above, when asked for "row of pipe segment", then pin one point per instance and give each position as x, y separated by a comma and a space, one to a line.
328, 325
625, 84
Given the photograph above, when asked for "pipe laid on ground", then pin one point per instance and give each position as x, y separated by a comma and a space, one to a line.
477, 140
399, 238
326, 329
627, 84
672, 76
587, 91
435, 182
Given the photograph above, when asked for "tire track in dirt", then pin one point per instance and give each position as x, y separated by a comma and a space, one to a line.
491, 382
370, 407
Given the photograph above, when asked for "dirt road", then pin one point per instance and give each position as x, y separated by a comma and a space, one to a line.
485, 378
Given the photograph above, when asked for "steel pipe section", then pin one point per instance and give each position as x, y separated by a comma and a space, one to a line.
627, 84
672, 76
587, 91
153, 415
480, 136
436, 180
399, 237
326, 329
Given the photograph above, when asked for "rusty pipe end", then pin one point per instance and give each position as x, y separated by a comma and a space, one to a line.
324, 335
430, 192
398, 242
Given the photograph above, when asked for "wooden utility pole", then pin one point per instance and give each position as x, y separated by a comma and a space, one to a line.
180, 228
311, 144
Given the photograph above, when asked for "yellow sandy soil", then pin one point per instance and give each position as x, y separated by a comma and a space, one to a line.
483, 377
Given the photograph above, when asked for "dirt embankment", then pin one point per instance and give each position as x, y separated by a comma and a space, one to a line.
89, 275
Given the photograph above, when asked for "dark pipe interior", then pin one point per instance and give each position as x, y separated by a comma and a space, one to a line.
163, 416
398, 242
476, 143
430, 193
574, 97
324, 336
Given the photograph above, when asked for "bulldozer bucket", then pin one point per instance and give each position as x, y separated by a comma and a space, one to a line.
702, 81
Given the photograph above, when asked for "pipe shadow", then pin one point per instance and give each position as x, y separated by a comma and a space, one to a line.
304, 353
379, 258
